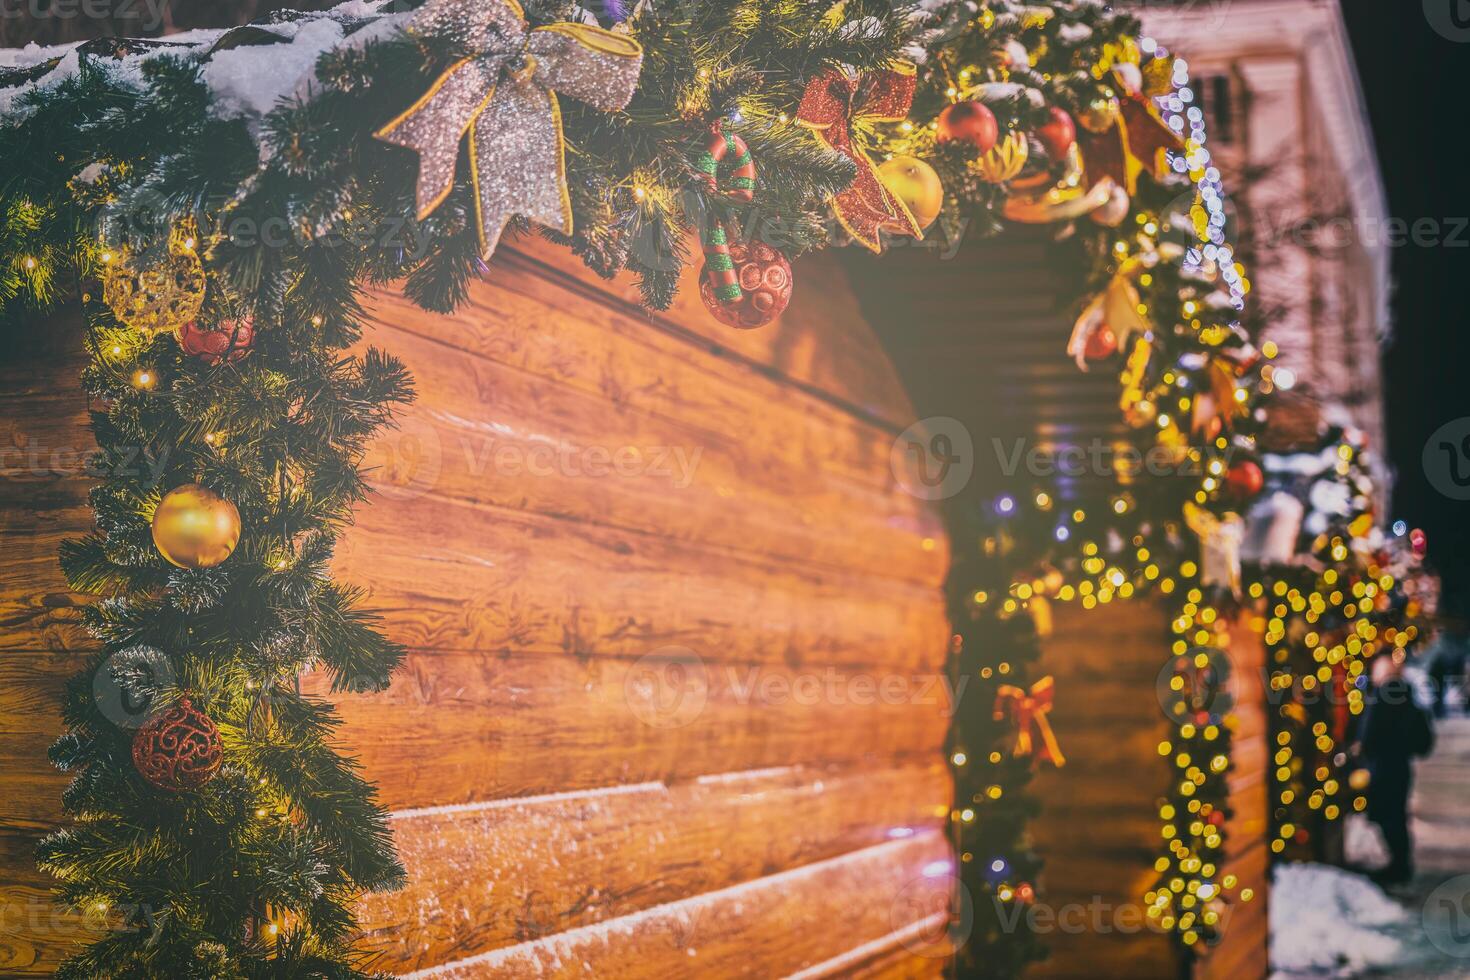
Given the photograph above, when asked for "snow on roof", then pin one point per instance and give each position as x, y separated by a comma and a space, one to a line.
247, 68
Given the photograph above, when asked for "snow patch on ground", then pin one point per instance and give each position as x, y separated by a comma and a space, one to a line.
1330, 922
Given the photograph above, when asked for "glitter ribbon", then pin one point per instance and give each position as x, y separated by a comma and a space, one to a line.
505, 97
1140, 140
1028, 710
832, 104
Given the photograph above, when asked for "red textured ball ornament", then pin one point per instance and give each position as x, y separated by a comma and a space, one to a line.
229, 341
969, 122
1244, 480
766, 281
177, 750
1101, 344
1059, 135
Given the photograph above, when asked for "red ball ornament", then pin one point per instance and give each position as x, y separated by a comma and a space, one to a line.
177, 750
229, 341
1244, 480
1419, 541
1059, 135
1101, 344
765, 279
970, 122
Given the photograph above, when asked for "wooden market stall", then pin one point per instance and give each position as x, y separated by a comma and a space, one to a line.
1007, 380
623, 552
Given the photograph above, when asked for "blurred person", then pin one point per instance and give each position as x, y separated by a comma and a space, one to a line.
1395, 730
1449, 654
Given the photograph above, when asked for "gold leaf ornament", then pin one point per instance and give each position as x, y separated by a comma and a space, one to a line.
1004, 160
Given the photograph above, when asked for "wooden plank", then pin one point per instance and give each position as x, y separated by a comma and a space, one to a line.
773, 926
492, 875
822, 342
473, 577
1090, 956
901, 965
35, 935
45, 442
469, 727
625, 358
484, 432
485, 578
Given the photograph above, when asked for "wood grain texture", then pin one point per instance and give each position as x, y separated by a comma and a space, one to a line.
468, 577
584, 495
1099, 827
461, 728
778, 925
511, 871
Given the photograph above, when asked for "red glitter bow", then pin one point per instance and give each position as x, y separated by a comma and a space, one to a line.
832, 105
1140, 140
1027, 710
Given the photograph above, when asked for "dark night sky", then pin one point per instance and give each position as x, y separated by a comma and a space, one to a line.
1417, 84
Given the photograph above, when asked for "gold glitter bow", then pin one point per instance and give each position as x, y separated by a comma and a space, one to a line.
505, 97
1027, 710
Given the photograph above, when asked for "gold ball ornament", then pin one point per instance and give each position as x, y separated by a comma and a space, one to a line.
1005, 160
194, 527
915, 183
157, 295
1100, 114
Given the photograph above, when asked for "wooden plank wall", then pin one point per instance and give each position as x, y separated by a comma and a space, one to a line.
1099, 830
980, 337
566, 800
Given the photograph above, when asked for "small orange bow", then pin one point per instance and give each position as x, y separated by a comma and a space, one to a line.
1026, 710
